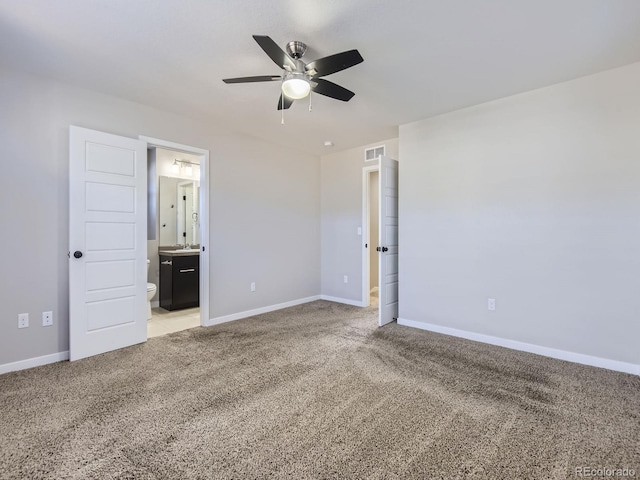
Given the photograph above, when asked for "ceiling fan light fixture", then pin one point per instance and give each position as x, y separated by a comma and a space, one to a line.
296, 87
299, 77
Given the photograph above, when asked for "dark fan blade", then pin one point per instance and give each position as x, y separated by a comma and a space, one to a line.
275, 53
330, 89
284, 102
262, 78
333, 63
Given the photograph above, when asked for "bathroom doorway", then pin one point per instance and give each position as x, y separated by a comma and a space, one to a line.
177, 237
371, 220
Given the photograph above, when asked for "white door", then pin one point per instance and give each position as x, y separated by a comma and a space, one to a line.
107, 242
388, 241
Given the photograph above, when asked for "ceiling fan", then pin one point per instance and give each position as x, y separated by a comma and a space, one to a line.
298, 78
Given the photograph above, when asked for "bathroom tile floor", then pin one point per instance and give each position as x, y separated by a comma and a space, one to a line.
374, 299
163, 321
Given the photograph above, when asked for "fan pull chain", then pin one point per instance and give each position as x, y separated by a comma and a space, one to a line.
282, 108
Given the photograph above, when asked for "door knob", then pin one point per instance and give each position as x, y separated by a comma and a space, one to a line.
378, 249
384, 249
77, 254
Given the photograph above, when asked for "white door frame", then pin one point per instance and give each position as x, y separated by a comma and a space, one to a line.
204, 214
366, 259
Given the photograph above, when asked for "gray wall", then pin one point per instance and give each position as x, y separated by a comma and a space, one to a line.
533, 200
341, 198
264, 204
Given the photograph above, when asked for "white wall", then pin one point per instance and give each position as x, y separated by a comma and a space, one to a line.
264, 204
341, 199
533, 200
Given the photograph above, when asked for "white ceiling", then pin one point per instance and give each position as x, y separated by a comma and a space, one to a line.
422, 57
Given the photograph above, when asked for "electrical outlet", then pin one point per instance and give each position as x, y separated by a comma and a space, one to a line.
346, 279
47, 319
253, 286
491, 304
23, 320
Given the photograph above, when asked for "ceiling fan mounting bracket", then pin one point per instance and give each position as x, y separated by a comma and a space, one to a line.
296, 49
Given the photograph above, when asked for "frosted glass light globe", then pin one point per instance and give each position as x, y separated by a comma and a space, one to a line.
296, 88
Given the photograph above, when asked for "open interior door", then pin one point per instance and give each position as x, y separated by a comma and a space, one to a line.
388, 240
107, 242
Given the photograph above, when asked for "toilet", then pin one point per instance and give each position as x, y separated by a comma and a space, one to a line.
151, 292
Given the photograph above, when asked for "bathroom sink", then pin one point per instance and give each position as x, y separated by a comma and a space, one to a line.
182, 251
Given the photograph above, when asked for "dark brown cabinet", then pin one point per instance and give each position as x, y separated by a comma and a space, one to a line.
179, 281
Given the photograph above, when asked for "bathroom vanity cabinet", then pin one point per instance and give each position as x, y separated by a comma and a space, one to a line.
179, 280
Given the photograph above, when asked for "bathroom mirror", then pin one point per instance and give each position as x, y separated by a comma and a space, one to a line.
178, 210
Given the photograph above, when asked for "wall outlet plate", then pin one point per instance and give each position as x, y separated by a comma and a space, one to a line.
491, 304
47, 319
23, 320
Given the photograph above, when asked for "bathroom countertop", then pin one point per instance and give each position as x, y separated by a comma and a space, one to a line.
179, 253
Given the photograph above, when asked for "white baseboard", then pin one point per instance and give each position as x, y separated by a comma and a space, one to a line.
34, 362
527, 347
355, 303
258, 311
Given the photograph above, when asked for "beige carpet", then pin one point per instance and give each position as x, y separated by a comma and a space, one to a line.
316, 391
